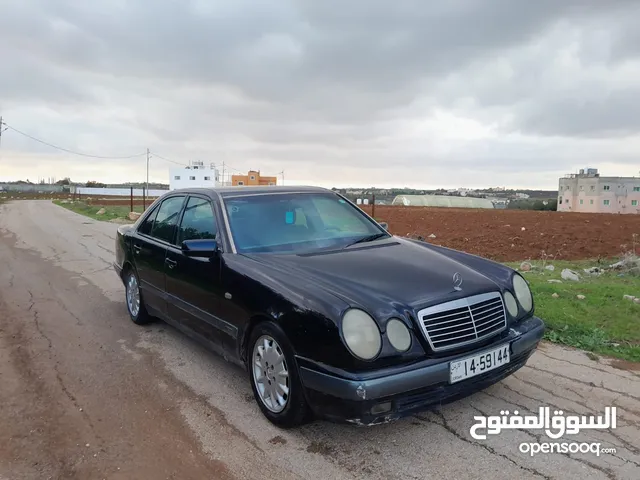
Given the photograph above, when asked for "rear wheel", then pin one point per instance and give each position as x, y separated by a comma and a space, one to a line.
274, 377
135, 302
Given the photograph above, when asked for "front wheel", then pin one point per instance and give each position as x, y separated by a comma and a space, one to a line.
274, 377
135, 303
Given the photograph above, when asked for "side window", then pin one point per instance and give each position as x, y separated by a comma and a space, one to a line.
167, 218
198, 221
147, 224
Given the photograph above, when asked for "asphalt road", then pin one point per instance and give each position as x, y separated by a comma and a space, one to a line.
85, 393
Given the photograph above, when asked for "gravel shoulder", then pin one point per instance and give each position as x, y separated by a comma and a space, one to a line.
86, 394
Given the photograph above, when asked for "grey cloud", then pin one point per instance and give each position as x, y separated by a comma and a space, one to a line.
602, 114
25, 81
314, 82
368, 54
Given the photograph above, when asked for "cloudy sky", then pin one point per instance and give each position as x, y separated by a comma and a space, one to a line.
355, 92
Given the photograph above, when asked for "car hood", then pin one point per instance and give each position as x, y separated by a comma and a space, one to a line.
377, 276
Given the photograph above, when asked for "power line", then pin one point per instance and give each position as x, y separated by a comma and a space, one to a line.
153, 154
148, 153
9, 127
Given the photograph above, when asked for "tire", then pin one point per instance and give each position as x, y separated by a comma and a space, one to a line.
136, 308
295, 411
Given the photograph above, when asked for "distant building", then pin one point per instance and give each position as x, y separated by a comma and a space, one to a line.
587, 191
197, 174
522, 196
253, 178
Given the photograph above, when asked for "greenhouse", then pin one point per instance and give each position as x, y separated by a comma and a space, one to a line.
442, 201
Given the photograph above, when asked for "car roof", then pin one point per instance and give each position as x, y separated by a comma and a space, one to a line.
251, 190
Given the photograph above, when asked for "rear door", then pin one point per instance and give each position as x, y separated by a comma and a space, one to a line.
193, 284
150, 244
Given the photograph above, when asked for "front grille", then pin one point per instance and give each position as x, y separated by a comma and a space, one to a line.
464, 321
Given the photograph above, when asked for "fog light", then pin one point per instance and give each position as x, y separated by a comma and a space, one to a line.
381, 408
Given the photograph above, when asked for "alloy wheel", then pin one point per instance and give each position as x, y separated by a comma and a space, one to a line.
270, 374
133, 295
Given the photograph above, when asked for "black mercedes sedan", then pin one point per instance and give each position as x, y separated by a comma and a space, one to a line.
330, 315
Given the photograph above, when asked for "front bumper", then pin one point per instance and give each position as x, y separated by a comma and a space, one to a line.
411, 390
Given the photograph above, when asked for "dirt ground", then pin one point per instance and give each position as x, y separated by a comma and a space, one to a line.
86, 394
498, 234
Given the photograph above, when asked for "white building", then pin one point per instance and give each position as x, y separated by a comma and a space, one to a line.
197, 174
587, 191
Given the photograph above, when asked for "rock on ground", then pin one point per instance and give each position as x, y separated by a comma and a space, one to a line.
570, 275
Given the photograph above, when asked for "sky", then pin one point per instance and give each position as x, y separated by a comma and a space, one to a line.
404, 93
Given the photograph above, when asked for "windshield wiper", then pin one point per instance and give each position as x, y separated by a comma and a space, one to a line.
368, 238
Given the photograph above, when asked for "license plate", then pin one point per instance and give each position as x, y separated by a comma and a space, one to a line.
478, 364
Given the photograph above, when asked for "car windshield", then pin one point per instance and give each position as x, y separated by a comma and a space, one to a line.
296, 222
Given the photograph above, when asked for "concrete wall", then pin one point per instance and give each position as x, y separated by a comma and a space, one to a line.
27, 187
123, 192
599, 194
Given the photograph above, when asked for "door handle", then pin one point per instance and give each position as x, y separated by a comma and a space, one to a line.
170, 263
136, 249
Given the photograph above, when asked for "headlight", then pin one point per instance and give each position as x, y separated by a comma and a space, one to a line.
361, 334
398, 334
512, 305
523, 293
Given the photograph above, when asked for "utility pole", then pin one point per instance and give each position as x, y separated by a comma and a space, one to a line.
147, 170
282, 172
223, 184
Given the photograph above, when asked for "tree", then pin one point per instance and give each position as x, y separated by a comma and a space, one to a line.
94, 184
65, 181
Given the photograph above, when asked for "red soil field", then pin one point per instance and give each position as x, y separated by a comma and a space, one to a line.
498, 234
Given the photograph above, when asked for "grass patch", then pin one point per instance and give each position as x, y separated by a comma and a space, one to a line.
111, 212
604, 322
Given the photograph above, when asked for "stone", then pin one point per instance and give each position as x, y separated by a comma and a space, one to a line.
134, 216
568, 274
102, 211
555, 295
432, 236
554, 281
580, 297
629, 297
526, 267
523, 229
551, 268
593, 271
636, 300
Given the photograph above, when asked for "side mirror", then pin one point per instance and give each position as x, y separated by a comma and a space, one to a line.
203, 248
384, 225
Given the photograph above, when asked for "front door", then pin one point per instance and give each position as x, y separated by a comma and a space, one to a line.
150, 249
193, 284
